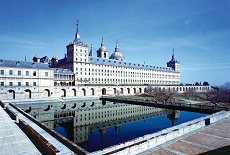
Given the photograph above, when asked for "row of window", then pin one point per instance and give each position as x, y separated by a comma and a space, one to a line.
19, 73
161, 76
124, 81
18, 84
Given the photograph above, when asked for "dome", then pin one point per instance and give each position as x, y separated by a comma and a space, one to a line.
102, 48
117, 54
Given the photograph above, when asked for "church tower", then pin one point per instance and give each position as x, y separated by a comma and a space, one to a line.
102, 51
174, 64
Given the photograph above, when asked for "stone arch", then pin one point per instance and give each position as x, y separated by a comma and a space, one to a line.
180, 88
177, 88
64, 93
92, 90
84, 91
28, 93
103, 91
122, 91
139, 90
134, 90
12, 92
128, 89
74, 92
114, 91
46, 93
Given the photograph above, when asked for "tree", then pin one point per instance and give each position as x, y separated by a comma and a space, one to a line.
220, 95
197, 84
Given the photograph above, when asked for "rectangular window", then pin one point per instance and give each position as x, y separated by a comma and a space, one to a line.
46, 73
19, 72
19, 83
2, 83
2, 72
34, 83
10, 83
34, 73
27, 83
10, 72
27, 73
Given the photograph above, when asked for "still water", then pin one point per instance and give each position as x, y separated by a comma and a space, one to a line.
95, 125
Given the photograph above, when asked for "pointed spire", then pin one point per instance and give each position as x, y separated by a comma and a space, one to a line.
117, 48
25, 57
117, 44
91, 51
77, 36
102, 42
173, 55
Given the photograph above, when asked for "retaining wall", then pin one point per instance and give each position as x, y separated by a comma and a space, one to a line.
151, 140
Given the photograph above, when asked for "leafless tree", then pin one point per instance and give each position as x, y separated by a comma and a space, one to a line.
221, 95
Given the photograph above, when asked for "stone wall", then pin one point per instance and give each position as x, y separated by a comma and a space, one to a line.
79, 91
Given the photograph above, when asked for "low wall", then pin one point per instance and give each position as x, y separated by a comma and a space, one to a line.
151, 140
33, 92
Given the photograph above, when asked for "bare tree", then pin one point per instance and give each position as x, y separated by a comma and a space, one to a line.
220, 95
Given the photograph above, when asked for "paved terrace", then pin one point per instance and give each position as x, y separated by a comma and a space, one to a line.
12, 138
212, 139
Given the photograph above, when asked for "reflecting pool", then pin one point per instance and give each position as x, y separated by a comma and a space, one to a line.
97, 124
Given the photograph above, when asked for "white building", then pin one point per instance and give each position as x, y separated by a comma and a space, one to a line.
22, 73
113, 70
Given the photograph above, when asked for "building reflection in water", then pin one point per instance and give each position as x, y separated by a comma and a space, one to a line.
88, 122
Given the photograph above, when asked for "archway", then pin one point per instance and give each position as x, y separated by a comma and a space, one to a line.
63, 92
12, 92
128, 89
103, 91
114, 91
46, 93
74, 92
134, 90
27, 93
122, 90
92, 91
84, 92
139, 90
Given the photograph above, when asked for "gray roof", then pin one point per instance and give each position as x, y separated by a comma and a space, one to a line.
23, 64
120, 63
62, 71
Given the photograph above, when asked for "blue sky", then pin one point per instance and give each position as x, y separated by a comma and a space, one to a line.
146, 30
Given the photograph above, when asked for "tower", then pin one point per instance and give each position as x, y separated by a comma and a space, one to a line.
77, 35
102, 51
174, 64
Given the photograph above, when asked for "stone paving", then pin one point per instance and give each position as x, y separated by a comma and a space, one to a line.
12, 139
212, 139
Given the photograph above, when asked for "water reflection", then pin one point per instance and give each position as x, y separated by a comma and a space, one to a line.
98, 124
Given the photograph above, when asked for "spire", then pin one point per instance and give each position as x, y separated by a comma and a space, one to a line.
91, 51
102, 42
116, 48
173, 55
77, 36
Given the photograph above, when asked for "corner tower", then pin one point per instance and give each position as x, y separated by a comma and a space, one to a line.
174, 64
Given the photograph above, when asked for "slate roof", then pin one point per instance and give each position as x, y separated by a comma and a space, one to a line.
120, 63
62, 71
23, 64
